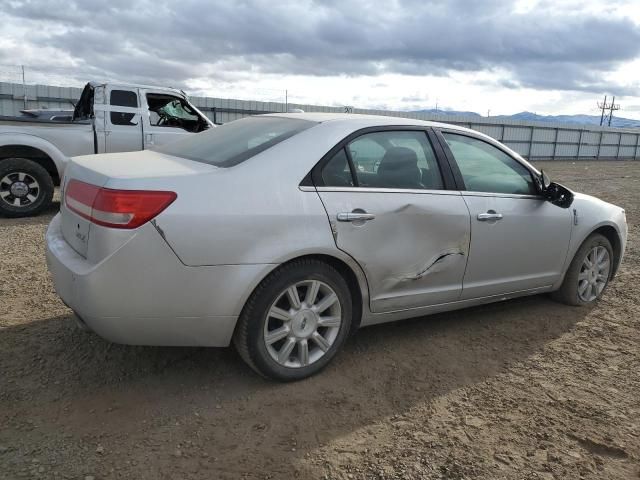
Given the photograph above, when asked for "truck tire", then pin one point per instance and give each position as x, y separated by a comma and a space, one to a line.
26, 188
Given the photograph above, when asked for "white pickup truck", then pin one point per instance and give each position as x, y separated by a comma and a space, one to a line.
107, 118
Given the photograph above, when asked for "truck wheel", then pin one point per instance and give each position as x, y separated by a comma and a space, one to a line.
26, 188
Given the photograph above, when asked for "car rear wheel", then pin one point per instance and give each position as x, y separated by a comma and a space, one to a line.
26, 188
296, 321
589, 272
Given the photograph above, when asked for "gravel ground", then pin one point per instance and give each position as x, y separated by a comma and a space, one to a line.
526, 389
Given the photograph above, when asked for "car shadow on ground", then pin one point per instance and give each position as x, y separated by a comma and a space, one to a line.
140, 391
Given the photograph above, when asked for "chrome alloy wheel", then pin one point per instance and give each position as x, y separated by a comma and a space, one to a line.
594, 274
302, 323
19, 189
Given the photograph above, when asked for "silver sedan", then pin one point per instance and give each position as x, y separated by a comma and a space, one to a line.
285, 233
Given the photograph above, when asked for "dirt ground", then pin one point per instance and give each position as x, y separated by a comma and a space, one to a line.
526, 389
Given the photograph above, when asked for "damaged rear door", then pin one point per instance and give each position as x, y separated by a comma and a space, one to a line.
389, 209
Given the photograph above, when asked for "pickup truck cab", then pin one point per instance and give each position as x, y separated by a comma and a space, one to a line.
108, 118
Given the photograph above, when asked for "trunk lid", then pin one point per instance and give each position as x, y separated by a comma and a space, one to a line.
128, 171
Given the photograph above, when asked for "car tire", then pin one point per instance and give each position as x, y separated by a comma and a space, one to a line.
288, 340
26, 188
583, 285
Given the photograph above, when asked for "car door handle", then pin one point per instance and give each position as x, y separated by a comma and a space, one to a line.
490, 215
355, 217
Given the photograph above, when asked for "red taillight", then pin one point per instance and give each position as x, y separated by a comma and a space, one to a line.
115, 208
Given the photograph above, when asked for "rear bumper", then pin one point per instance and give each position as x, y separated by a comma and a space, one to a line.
141, 294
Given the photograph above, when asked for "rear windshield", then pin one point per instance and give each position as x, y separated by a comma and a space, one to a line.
235, 142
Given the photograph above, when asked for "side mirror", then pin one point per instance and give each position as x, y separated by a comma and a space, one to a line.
555, 193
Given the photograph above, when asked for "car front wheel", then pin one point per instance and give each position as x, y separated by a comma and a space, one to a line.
589, 272
296, 321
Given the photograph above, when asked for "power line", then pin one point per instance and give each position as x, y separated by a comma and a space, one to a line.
611, 107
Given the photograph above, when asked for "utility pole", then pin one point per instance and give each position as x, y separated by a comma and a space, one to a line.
611, 107
24, 88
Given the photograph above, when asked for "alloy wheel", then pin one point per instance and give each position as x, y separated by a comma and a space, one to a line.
594, 274
302, 324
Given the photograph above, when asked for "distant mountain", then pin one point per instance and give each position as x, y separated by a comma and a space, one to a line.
530, 116
434, 111
574, 119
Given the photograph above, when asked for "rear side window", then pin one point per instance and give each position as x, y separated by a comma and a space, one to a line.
336, 173
235, 142
389, 159
123, 98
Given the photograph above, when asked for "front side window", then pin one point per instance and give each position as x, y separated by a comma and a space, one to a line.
390, 159
170, 111
486, 168
235, 142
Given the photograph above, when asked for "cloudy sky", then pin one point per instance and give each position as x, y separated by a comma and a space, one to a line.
550, 57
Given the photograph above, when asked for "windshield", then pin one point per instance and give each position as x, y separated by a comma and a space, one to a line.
235, 142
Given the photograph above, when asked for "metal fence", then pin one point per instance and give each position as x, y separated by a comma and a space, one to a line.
533, 140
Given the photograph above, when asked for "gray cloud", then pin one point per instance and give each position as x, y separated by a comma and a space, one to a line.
172, 42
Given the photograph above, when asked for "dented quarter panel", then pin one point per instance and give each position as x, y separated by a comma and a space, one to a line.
415, 250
